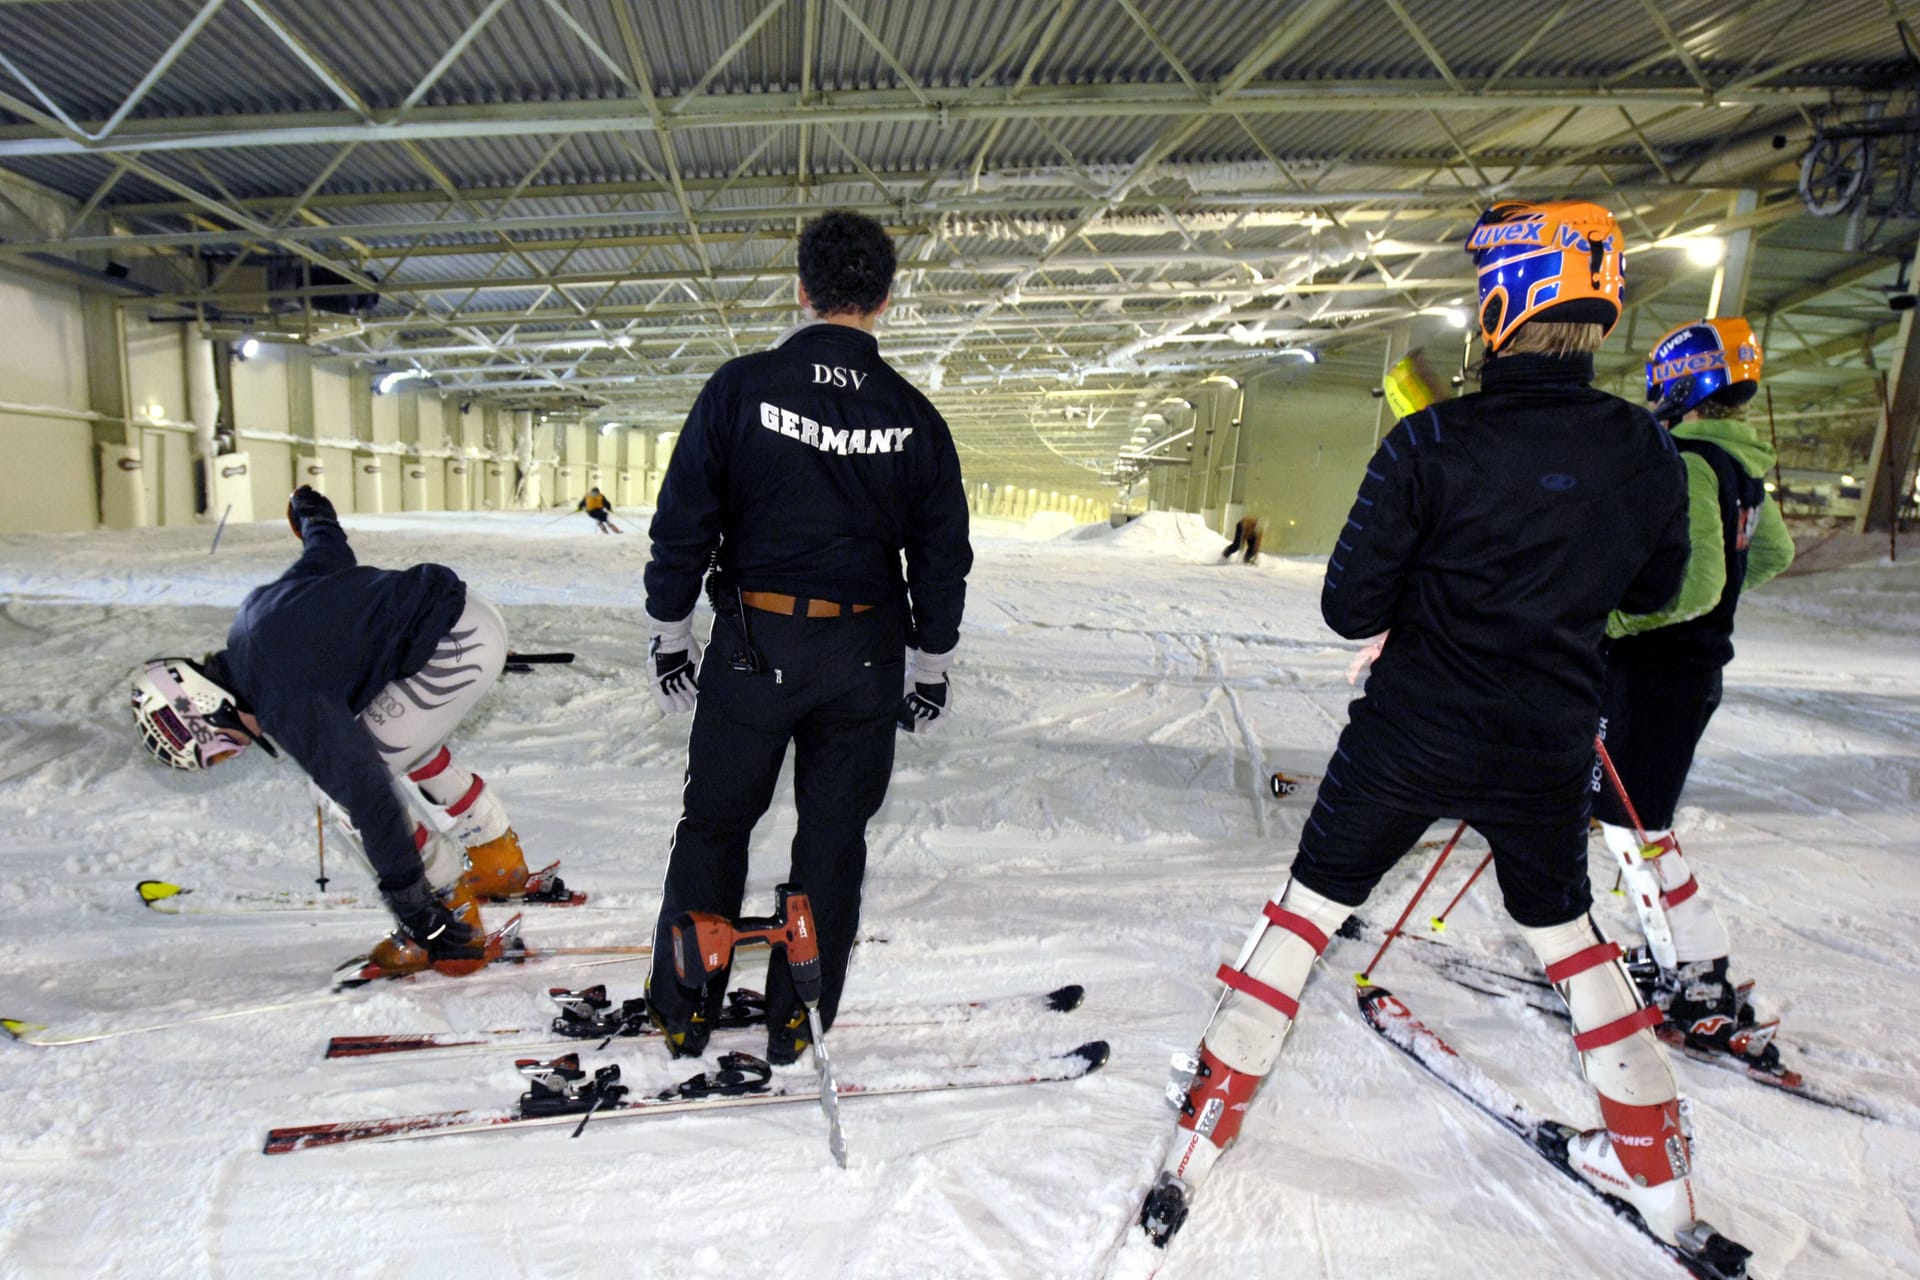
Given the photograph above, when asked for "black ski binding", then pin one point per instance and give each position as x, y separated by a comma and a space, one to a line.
554, 890
1165, 1209
739, 1073
588, 1014
563, 1088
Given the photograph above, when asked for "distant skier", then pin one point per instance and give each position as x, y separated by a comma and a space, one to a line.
1246, 540
1493, 533
1663, 673
360, 674
596, 505
806, 476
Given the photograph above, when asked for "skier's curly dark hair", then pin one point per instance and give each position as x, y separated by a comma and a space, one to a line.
846, 263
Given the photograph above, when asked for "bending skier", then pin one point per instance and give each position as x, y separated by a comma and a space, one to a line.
1663, 674
360, 675
802, 475
1493, 534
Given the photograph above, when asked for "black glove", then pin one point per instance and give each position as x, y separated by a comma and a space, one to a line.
306, 503
430, 922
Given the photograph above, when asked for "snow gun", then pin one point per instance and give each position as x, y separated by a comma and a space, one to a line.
703, 942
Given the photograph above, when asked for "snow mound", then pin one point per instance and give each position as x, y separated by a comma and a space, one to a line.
1176, 533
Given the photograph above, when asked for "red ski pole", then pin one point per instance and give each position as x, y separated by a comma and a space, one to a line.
1619, 788
1366, 975
1440, 921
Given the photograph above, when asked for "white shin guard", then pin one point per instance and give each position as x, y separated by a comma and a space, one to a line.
1214, 1088
1681, 926
462, 804
1249, 1026
1613, 1031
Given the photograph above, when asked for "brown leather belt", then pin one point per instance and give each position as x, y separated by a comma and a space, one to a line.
775, 602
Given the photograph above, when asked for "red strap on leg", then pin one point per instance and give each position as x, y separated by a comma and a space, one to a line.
1619, 1029
1674, 897
1259, 990
1299, 926
465, 802
1580, 961
434, 767
420, 837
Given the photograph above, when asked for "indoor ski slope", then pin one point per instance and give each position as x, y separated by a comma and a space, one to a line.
1095, 814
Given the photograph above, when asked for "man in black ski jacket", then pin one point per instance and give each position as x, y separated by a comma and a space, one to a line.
802, 477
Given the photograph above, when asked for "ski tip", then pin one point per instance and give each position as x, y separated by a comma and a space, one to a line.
154, 891
1066, 999
1094, 1053
19, 1030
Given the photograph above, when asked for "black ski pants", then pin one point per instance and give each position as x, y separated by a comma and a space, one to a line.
1372, 808
831, 688
1652, 719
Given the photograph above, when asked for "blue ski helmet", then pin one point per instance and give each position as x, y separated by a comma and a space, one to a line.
1706, 360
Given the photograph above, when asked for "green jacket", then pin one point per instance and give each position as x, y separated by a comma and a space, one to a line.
1770, 551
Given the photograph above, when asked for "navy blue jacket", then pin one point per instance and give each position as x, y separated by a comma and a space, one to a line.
310, 650
1493, 534
812, 466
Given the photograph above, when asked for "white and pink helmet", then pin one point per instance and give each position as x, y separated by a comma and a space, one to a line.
186, 719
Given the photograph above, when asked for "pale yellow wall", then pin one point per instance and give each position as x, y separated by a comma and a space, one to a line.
46, 463
46, 478
272, 476
1310, 446
333, 420
260, 404
156, 368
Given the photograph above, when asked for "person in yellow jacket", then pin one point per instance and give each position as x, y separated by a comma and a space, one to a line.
596, 505
1663, 680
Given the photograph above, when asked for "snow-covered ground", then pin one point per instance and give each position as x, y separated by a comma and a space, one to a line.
1095, 815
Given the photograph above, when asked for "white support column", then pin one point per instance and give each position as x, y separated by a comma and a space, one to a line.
1729, 295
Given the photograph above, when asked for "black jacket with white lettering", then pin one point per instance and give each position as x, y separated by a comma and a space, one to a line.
1493, 533
812, 467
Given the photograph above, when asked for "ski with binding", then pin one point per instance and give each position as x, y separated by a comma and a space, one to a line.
589, 1015
544, 889
563, 1093
1490, 977
1705, 1253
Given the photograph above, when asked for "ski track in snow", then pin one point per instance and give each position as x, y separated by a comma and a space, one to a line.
1096, 813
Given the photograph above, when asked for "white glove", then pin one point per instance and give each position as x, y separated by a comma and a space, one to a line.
928, 696
1365, 658
672, 656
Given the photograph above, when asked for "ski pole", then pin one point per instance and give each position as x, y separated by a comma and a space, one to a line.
220, 529
320, 839
1440, 921
1619, 788
523, 663
1365, 976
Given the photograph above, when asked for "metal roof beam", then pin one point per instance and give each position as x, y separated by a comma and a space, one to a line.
874, 106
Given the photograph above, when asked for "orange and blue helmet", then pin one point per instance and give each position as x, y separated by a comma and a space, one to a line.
1556, 260
1705, 360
